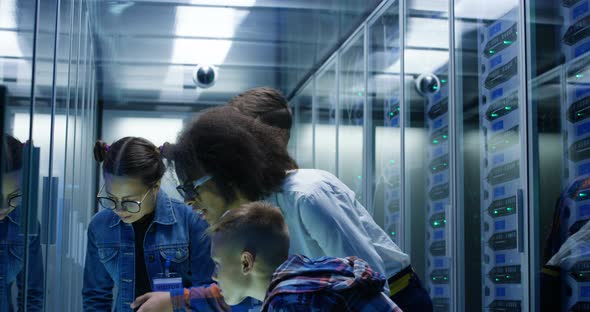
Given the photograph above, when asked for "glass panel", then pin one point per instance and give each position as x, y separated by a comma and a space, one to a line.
303, 130
351, 115
313, 31
560, 88
427, 148
491, 175
384, 102
17, 21
325, 120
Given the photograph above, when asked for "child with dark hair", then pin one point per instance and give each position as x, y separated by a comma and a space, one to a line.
141, 233
250, 247
267, 105
12, 240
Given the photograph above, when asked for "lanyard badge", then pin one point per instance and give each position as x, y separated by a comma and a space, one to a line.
166, 281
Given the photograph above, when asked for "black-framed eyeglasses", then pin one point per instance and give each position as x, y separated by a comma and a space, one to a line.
189, 190
131, 206
14, 199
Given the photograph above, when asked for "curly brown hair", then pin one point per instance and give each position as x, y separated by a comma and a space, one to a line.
239, 152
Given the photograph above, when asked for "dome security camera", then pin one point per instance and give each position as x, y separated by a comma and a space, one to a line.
205, 76
427, 84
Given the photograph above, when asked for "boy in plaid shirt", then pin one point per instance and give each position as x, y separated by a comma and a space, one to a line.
250, 248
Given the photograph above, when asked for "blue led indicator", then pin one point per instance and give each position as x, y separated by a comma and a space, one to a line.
583, 169
499, 191
584, 211
438, 235
582, 91
439, 207
438, 178
583, 48
438, 123
439, 291
439, 263
496, 61
497, 93
500, 225
495, 29
579, 10
498, 125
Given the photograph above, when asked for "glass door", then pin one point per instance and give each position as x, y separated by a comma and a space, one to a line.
490, 94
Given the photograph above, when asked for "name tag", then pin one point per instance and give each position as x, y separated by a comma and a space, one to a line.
166, 283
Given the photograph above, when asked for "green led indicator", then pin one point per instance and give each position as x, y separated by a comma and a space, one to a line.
360, 94
445, 164
446, 278
494, 115
393, 233
507, 42
495, 211
433, 168
435, 87
434, 278
445, 220
445, 136
579, 114
579, 76
435, 141
582, 195
492, 51
436, 223
507, 276
392, 161
398, 109
391, 114
509, 208
443, 81
497, 279
507, 107
360, 177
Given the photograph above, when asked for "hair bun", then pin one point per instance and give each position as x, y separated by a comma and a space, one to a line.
166, 150
100, 151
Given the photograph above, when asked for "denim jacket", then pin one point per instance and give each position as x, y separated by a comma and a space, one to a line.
12, 251
175, 232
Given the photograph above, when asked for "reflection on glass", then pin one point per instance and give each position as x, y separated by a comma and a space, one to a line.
352, 105
427, 147
492, 168
560, 88
314, 31
325, 127
384, 102
304, 128
16, 232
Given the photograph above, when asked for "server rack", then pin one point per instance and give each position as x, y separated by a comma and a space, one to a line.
438, 264
392, 174
500, 106
575, 44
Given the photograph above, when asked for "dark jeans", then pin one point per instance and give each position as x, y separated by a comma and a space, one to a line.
413, 298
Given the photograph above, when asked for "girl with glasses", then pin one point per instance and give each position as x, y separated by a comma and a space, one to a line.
140, 233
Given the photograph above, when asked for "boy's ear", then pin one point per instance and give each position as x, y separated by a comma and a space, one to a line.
247, 262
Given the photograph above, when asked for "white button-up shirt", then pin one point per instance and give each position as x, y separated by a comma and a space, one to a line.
325, 219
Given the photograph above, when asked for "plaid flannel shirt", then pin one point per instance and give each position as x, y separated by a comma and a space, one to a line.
327, 284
